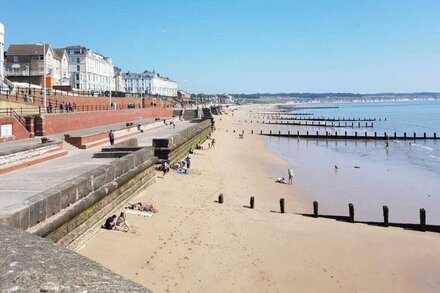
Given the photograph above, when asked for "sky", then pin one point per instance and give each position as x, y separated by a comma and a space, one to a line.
244, 46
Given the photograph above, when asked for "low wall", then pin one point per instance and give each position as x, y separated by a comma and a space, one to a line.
18, 131
59, 123
31, 264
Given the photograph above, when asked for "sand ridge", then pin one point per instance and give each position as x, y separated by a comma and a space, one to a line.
195, 244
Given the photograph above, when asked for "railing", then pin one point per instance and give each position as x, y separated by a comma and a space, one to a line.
12, 113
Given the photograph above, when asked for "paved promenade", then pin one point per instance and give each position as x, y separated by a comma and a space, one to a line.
20, 185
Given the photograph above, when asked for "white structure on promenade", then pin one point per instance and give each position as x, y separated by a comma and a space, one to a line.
89, 70
2, 61
151, 83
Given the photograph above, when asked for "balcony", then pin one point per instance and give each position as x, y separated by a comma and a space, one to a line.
25, 72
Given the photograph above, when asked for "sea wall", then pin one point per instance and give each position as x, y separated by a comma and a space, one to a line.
175, 147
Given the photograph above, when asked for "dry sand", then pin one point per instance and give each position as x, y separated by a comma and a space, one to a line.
197, 245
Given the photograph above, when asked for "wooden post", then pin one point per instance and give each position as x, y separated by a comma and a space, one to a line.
355, 134
404, 134
385, 215
252, 202
351, 212
336, 133
415, 135
422, 220
365, 134
395, 134
282, 206
261, 131
424, 135
220, 198
316, 133
345, 133
307, 133
270, 132
297, 132
315, 209
288, 132
435, 135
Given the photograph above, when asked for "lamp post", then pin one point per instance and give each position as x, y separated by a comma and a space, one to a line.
44, 75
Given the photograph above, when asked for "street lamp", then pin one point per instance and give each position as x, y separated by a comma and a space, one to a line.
44, 75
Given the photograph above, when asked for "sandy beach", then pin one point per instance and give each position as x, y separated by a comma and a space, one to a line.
195, 244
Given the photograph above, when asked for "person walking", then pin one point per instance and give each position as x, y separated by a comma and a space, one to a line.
111, 137
290, 173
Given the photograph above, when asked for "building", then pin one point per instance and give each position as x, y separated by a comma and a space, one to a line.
151, 83
183, 96
30, 62
63, 67
2, 61
89, 70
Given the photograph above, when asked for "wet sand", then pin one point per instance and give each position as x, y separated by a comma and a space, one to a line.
195, 244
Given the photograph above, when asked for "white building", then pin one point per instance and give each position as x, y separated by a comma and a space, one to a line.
90, 71
2, 48
119, 80
151, 83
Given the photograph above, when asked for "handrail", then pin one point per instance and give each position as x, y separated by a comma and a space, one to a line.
11, 112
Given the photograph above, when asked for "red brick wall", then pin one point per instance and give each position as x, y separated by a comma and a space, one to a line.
60, 123
18, 131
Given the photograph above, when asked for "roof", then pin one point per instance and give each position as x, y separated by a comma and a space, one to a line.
59, 52
27, 49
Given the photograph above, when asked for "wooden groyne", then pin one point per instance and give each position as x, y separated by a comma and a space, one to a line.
320, 124
329, 119
356, 135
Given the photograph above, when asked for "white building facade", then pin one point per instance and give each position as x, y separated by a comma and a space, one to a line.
2, 49
151, 83
90, 71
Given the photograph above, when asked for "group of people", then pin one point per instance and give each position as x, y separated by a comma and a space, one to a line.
183, 166
172, 124
121, 224
118, 223
290, 176
68, 107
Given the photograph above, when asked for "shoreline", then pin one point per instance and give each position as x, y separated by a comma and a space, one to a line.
195, 244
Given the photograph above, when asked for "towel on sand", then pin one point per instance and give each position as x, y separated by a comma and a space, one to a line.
139, 213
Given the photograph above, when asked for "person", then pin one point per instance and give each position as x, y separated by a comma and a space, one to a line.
213, 142
111, 137
188, 161
61, 108
290, 173
191, 151
144, 207
121, 223
280, 180
165, 168
110, 223
174, 124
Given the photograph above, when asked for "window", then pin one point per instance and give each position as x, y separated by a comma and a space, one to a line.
41, 57
77, 76
77, 60
78, 68
15, 58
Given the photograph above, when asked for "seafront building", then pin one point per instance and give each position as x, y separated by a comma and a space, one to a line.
150, 83
89, 70
119, 80
28, 63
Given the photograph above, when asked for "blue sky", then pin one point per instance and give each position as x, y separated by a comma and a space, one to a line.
249, 46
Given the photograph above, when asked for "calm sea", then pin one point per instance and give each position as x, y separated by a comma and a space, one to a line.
405, 176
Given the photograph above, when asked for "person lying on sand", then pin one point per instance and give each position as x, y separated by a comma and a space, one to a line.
280, 180
143, 207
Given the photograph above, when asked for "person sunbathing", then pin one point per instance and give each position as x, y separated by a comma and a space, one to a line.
280, 180
144, 207
122, 224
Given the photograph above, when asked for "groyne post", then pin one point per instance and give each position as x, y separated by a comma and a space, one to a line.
395, 134
315, 209
282, 206
404, 134
252, 132
220, 198
288, 132
435, 135
270, 132
415, 135
261, 131
385, 215
351, 213
422, 220
424, 135
252, 202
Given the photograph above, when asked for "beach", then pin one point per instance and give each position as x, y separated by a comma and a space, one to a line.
195, 244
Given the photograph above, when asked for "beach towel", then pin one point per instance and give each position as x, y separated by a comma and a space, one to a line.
181, 173
138, 213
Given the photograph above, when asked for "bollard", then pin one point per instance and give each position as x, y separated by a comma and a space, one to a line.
252, 202
297, 132
359, 125
336, 133
282, 210
220, 198
234, 130
316, 133
345, 133
385, 215
375, 134
307, 133
252, 132
422, 220
351, 212
326, 134
315, 209
365, 134
261, 131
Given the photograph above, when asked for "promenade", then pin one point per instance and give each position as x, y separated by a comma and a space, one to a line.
17, 186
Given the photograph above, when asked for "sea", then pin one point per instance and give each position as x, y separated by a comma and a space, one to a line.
403, 175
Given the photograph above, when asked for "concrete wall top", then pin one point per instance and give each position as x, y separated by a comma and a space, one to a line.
33, 264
